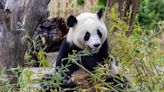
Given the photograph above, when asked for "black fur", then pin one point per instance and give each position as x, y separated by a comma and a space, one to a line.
86, 37
100, 13
71, 21
89, 62
99, 33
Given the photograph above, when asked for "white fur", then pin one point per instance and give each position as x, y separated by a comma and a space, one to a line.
87, 22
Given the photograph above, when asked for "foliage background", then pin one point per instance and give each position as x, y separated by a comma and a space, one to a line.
150, 13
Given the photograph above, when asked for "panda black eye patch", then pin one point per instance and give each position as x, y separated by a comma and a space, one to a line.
87, 35
99, 33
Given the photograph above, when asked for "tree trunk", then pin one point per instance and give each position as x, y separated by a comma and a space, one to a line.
124, 6
15, 16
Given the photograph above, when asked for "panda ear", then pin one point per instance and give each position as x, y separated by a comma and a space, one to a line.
100, 13
71, 21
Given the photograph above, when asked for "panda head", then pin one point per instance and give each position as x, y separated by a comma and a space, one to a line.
87, 30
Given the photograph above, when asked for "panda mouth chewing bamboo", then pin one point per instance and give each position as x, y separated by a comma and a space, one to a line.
93, 50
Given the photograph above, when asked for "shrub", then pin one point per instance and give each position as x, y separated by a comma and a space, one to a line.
139, 55
150, 13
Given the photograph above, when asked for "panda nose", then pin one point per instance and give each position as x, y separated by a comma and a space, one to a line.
96, 45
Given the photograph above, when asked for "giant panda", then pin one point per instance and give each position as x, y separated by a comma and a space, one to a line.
86, 31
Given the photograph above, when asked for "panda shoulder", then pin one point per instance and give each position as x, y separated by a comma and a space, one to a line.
66, 44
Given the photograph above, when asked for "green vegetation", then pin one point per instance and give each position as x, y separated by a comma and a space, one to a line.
139, 55
102, 3
150, 13
34, 51
81, 2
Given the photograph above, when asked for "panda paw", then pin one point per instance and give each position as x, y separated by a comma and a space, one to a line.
70, 84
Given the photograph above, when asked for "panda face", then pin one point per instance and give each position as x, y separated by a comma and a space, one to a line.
87, 31
93, 41
92, 36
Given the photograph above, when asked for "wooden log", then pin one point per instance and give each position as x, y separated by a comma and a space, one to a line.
15, 16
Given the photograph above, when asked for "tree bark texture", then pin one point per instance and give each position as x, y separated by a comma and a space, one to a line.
124, 6
15, 16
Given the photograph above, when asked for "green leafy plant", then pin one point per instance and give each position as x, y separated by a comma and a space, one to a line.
102, 3
150, 13
81, 2
5, 85
35, 51
24, 79
139, 55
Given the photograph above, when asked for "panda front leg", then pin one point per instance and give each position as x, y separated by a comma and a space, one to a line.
59, 64
67, 75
